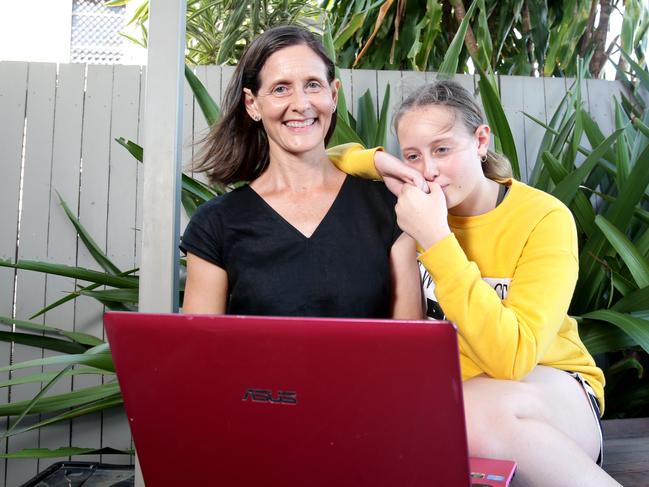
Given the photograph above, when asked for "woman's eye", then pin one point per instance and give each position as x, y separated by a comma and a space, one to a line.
442, 150
411, 157
280, 90
313, 85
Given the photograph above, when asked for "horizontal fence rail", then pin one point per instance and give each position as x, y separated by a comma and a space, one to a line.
57, 129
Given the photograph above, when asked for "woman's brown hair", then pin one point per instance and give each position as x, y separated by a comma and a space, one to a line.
451, 94
236, 149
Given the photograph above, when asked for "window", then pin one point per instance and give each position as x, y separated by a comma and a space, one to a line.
95, 32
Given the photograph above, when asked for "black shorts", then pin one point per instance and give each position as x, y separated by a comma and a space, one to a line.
594, 407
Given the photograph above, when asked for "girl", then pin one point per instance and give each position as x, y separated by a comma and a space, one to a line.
499, 259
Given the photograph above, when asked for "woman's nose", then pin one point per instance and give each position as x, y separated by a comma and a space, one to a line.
301, 100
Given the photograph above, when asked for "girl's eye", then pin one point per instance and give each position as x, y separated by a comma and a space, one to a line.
442, 150
411, 157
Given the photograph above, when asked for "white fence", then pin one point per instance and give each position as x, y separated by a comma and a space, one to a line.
57, 131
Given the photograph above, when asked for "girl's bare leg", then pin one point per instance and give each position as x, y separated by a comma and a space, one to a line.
544, 423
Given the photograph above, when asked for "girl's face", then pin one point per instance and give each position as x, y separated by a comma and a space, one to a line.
295, 101
434, 141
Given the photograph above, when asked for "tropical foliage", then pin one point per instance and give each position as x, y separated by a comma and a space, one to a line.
520, 37
218, 31
607, 190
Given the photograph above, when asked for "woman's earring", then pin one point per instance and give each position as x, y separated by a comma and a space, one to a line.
333, 108
483, 159
256, 118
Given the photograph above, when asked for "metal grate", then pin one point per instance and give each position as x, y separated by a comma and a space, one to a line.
95, 32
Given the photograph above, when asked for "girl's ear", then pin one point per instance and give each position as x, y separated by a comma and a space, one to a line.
251, 104
483, 136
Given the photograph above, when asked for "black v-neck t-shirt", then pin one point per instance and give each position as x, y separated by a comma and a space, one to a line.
341, 270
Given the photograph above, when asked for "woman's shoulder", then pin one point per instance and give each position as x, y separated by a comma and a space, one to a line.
224, 203
371, 188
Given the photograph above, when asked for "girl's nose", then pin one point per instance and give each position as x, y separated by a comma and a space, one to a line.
431, 171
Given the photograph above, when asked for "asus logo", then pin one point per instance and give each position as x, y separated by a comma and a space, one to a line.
265, 395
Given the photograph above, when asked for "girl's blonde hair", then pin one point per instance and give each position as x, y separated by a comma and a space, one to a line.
451, 94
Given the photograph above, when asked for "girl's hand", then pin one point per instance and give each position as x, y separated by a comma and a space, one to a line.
423, 216
395, 173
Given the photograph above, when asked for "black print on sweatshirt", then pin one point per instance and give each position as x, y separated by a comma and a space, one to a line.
434, 310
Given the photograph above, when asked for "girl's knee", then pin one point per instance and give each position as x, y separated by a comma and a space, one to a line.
495, 417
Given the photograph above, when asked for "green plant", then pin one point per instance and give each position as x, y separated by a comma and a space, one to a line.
511, 37
218, 31
608, 194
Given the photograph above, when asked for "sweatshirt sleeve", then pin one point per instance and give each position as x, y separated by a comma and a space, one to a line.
507, 338
354, 159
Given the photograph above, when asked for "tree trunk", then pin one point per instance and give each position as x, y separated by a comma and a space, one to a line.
529, 41
469, 40
599, 38
588, 33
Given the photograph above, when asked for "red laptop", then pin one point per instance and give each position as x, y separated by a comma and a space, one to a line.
243, 401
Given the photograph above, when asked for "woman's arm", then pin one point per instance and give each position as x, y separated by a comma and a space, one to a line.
206, 288
407, 302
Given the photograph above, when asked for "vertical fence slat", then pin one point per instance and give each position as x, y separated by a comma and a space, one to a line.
600, 101
188, 125
30, 294
554, 90
122, 204
200, 124
411, 80
511, 94
226, 75
140, 186
393, 78
364, 80
93, 210
140, 170
469, 83
533, 104
346, 84
13, 89
212, 83
570, 84
66, 158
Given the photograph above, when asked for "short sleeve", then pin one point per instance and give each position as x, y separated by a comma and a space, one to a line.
203, 236
388, 202
354, 159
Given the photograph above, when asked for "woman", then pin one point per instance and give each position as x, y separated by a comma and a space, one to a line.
289, 243
499, 259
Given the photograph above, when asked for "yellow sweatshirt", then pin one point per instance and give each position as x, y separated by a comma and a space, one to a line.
506, 278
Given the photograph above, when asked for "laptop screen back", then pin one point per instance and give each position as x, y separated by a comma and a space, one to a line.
241, 401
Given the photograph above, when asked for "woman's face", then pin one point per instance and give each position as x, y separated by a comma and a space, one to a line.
295, 101
434, 141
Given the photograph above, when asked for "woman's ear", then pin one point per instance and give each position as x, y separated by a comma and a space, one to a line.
251, 104
483, 136
335, 86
